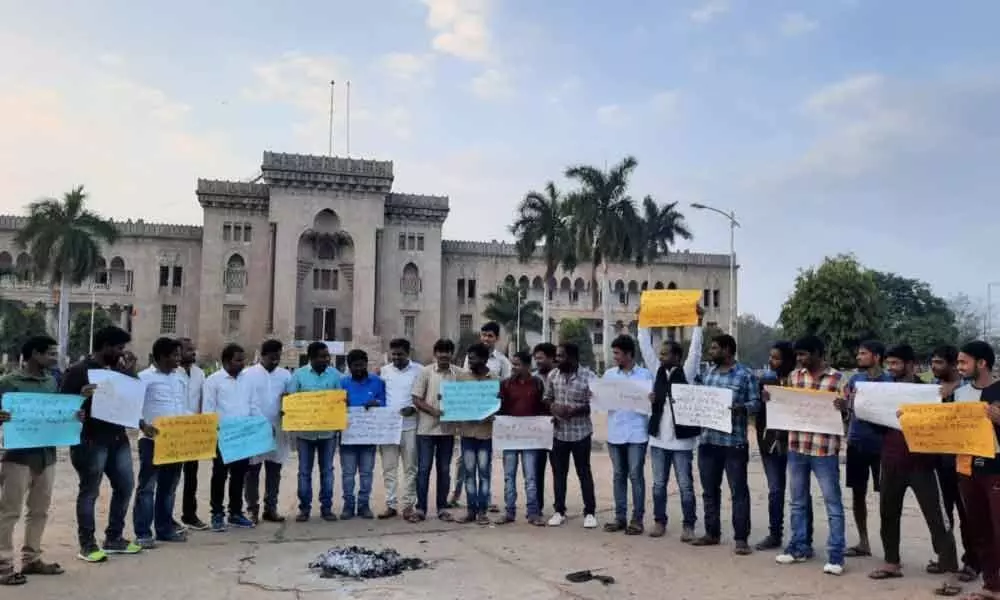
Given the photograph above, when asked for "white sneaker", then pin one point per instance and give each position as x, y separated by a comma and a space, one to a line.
557, 520
832, 569
590, 522
789, 559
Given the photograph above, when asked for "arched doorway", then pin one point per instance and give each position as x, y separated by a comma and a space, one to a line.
325, 281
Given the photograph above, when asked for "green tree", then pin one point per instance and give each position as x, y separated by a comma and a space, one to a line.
17, 324
64, 239
576, 331
80, 332
913, 314
755, 339
970, 319
506, 304
657, 231
837, 301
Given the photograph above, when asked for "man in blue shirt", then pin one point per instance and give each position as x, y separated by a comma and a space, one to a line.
358, 460
316, 445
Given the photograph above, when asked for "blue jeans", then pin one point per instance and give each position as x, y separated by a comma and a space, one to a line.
477, 456
628, 463
93, 461
309, 451
827, 471
776, 472
529, 469
714, 462
154, 495
682, 462
357, 461
434, 451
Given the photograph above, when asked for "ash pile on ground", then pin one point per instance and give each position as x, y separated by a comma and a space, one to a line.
362, 563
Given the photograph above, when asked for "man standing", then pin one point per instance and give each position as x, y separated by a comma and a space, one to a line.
567, 394
477, 443
545, 361
194, 380
28, 475
819, 454
399, 376
364, 390
266, 383
316, 445
727, 453
521, 395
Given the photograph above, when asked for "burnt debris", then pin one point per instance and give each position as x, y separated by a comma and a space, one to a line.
362, 563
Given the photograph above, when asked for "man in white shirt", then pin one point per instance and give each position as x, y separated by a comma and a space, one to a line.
267, 382
399, 376
227, 395
194, 380
154, 496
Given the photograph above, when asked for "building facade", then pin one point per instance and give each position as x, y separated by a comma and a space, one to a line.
322, 248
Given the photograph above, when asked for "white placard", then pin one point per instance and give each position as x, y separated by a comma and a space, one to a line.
703, 406
522, 433
792, 409
381, 425
621, 394
118, 398
878, 401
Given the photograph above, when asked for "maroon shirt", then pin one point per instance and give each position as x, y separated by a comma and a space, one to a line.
896, 454
522, 397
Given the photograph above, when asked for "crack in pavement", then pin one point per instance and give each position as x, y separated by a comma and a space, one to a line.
558, 588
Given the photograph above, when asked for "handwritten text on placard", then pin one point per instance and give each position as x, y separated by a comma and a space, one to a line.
522, 433
791, 409
669, 308
244, 437
878, 401
324, 410
41, 420
185, 438
118, 398
951, 428
621, 394
703, 406
469, 400
378, 425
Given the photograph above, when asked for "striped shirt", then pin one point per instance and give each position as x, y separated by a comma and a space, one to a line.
808, 443
746, 393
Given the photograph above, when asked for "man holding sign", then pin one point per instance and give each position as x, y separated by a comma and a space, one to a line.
399, 376
267, 382
364, 390
477, 442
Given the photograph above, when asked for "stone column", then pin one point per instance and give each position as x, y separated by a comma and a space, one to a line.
51, 319
285, 282
363, 308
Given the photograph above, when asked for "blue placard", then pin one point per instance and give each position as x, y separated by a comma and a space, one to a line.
41, 420
243, 437
469, 400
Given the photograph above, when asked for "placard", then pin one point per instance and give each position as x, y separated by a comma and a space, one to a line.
185, 438
810, 411
377, 425
949, 428
703, 406
41, 420
245, 437
878, 401
522, 433
118, 398
610, 394
669, 308
469, 400
324, 410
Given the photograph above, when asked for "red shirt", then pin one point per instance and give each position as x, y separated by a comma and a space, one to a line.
522, 397
896, 453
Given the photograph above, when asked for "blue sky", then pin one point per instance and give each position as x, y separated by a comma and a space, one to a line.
836, 126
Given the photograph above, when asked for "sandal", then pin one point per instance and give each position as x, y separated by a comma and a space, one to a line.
614, 526
857, 552
882, 574
506, 519
934, 568
948, 589
415, 517
446, 517
12, 578
634, 529
967, 574
40, 567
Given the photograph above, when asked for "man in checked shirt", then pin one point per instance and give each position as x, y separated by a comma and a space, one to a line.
817, 453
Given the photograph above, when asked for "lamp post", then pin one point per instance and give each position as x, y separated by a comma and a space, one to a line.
733, 224
988, 326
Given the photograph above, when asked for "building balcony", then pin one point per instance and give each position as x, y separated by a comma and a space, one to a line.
22, 287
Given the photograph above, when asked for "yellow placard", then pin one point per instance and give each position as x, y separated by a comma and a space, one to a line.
949, 428
669, 308
324, 410
186, 438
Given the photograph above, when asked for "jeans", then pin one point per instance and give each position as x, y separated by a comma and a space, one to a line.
827, 471
580, 451
436, 451
477, 455
309, 452
628, 464
154, 495
357, 461
272, 483
714, 462
93, 461
236, 473
529, 470
682, 462
776, 472
189, 498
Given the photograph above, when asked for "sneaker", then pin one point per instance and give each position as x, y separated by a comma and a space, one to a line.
121, 546
346, 515
92, 554
771, 542
790, 559
557, 519
146, 543
688, 536
173, 538
590, 522
659, 530
218, 523
179, 527
240, 522
195, 524
832, 569
328, 517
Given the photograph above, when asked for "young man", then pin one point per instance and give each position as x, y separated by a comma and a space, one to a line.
727, 453
166, 396
103, 451
28, 475
316, 445
678, 441
358, 460
627, 439
266, 382
399, 376
567, 394
817, 454
435, 443
477, 444
194, 380
521, 395
545, 361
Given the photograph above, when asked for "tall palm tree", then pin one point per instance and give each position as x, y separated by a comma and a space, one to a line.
507, 304
64, 239
657, 232
542, 218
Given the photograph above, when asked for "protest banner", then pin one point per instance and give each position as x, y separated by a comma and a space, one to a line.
185, 438
244, 437
621, 394
118, 398
669, 308
41, 420
469, 400
522, 433
949, 428
377, 425
324, 410
703, 406
811, 411
878, 401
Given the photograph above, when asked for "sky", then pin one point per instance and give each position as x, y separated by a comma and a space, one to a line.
828, 126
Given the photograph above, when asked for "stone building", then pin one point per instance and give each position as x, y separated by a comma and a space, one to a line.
321, 248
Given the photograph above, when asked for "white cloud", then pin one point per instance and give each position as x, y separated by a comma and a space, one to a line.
612, 115
460, 28
796, 23
709, 11
492, 84
850, 95
410, 69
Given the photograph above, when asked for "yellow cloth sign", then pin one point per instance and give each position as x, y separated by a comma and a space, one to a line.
186, 438
324, 410
950, 428
669, 308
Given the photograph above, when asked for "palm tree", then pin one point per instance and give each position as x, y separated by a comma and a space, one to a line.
656, 232
64, 239
543, 219
506, 305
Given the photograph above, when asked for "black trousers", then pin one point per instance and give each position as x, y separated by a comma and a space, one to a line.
189, 504
236, 473
924, 483
579, 451
272, 480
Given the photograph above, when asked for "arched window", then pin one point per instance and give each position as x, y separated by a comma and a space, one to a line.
509, 281
671, 286
326, 250
235, 275
410, 283
658, 286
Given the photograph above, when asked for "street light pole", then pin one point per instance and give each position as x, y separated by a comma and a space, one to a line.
733, 224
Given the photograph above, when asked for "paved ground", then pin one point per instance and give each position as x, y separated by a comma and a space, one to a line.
468, 561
